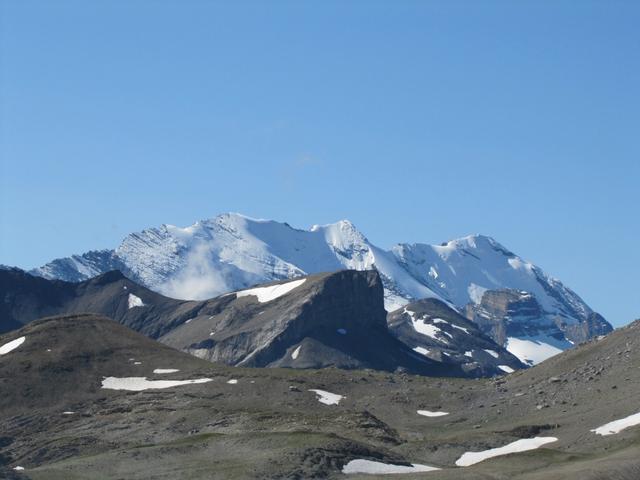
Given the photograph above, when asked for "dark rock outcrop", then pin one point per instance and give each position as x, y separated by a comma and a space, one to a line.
24, 297
436, 331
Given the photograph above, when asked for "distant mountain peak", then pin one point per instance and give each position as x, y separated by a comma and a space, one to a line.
232, 251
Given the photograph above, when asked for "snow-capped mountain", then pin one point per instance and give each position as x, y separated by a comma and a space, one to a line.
231, 252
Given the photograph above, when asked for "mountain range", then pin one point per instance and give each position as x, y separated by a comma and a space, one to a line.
104, 375
324, 320
513, 301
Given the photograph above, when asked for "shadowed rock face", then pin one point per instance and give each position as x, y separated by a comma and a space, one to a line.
26, 298
514, 313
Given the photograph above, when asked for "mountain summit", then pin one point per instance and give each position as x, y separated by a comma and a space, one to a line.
232, 252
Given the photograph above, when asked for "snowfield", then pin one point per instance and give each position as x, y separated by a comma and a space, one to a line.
165, 370
267, 294
135, 301
12, 345
533, 350
524, 445
327, 398
138, 384
617, 426
379, 468
428, 413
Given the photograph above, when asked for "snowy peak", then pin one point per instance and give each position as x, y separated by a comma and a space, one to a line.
462, 270
233, 252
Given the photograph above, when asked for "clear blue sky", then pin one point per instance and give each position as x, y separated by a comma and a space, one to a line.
419, 121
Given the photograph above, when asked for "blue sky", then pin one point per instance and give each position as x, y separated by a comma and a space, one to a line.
419, 121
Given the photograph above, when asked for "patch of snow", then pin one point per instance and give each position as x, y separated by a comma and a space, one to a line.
327, 398
341, 331
135, 301
421, 351
440, 320
493, 353
12, 345
165, 370
427, 413
233, 381
379, 468
267, 294
517, 264
617, 426
523, 445
433, 273
469, 354
18, 468
506, 368
124, 287
424, 328
137, 363
465, 330
296, 352
68, 413
138, 384
533, 350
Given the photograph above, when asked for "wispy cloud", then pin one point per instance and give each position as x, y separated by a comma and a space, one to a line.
198, 280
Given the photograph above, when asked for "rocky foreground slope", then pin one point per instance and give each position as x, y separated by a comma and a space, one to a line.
84, 397
231, 252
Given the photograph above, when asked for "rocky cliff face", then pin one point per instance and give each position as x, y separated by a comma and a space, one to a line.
504, 312
515, 319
